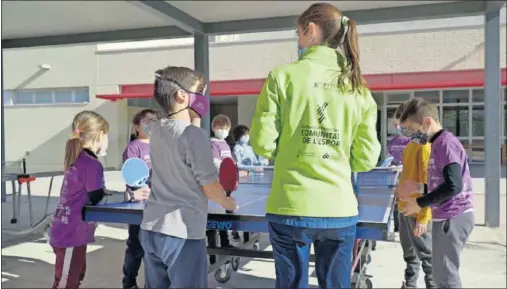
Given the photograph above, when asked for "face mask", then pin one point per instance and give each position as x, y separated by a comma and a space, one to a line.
221, 134
301, 51
420, 137
103, 148
404, 132
396, 131
198, 103
146, 128
244, 139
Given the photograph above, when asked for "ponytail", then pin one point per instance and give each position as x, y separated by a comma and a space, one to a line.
134, 136
350, 42
73, 148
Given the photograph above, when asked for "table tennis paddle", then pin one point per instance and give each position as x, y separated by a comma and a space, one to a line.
228, 176
135, 173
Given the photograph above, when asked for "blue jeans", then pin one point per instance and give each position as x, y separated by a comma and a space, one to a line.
171, 262
291, 250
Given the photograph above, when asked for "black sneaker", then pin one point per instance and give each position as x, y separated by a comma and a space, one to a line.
235, 236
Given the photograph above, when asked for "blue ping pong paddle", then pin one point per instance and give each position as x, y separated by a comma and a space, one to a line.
135, 172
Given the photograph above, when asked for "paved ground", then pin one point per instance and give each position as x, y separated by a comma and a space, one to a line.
27, 262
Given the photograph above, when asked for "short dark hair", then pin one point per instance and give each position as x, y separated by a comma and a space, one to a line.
137, 120
172, 78
142, 114
417, 109
399, 110
239, 131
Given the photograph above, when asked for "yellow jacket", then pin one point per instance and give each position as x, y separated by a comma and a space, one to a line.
415, 168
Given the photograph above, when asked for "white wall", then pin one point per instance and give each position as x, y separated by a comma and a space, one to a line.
43, 130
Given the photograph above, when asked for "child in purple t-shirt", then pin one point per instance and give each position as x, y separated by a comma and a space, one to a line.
449, 187
221, 126
139, 147
83, 183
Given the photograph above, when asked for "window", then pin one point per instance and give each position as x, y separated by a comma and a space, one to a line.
63, 96
455, 96
478, 120
81, 96
455, 119
429, 95
23, 97
378, 96
43, 97
397, 97
8, 96
46, 96
478, 95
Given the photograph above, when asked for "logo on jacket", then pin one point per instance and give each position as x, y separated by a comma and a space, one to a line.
321, 110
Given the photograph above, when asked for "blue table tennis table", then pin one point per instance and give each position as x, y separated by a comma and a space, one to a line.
375, 196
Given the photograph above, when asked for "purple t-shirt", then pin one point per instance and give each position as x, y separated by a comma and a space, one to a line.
221, 150
395, 148
138, 149
445, 150
68, 228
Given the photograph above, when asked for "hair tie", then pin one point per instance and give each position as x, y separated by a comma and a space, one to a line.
76, 133
345, 24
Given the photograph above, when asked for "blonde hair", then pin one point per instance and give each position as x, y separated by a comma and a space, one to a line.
221, 121
86, 126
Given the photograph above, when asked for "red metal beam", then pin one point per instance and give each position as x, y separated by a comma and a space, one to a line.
376, 82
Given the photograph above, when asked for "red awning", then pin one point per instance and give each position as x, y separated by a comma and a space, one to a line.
376, 82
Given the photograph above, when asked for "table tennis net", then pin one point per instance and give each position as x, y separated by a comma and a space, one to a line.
377, 178
374, 178
259, 175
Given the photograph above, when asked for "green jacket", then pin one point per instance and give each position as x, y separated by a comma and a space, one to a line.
318, 134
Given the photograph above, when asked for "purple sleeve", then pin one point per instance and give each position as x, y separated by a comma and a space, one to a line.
215, 148
389, 146
447, 153
130, 151
94, 177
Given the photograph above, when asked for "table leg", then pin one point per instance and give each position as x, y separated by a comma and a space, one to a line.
14, 218
29, 193
20, 189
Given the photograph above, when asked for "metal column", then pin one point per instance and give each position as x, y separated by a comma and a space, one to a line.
492, 123
2, 111
383, 126
201, 64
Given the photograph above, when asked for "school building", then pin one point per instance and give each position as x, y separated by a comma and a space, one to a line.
44, 87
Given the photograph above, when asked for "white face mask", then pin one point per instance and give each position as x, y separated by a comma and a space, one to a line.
103, 147
221, 133
244, 139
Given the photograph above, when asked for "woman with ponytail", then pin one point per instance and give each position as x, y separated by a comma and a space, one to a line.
317, 119
83, 184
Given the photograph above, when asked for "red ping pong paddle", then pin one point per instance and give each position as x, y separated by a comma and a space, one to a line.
229, 176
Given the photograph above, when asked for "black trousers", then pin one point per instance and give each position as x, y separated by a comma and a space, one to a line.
133, 257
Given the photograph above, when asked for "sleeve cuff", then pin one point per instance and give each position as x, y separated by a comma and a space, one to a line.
423, 201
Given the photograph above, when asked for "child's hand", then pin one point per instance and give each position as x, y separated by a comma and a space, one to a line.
230, 204
243, 174
265, 162
142, 194
411, 206
420, 229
